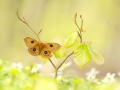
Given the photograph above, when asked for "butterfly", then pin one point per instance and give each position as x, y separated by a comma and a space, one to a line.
36, 48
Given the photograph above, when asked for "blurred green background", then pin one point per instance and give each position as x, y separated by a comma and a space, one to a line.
55, 18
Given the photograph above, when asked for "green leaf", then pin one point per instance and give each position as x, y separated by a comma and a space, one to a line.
60, 53
82, 55
97, 58
70, 40
14, 71
44, 60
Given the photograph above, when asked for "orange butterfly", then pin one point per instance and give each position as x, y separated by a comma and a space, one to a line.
38, 48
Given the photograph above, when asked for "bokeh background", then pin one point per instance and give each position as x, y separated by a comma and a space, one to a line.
55, 18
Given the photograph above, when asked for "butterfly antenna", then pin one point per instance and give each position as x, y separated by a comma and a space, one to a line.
24, 21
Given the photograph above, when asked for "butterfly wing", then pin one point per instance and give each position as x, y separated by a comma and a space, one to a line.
30, 42
45, 53
35, 50
53, 47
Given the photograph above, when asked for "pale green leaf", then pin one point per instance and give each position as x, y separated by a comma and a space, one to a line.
60, 53
82, 55
71, 49
70, 40
97, 58
44, 60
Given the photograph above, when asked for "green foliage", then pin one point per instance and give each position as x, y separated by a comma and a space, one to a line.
60, 53
95, 55
44, 60
70, 40
13, 79
82, 55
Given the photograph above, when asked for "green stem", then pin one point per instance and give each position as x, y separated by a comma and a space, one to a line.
56, 69
62, 64
64, 60
52, 63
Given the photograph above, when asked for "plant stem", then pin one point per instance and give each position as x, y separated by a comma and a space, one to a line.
62, 64
79, 33
64, 60
52, 63
81, 21
56, 69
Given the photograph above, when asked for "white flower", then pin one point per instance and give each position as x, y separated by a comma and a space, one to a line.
36, 68
109, 78
92, 74
118, 73
64, 66
17, 66
90, 77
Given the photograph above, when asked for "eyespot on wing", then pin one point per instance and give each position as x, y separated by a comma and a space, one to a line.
34, 50
45, 53
53, 47
30, 42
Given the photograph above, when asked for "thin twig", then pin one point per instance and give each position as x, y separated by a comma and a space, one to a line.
54, 67
81, 21
80, 34
64, 60
62, 64
52, 63
24, 21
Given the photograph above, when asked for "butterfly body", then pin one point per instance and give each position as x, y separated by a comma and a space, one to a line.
36, 48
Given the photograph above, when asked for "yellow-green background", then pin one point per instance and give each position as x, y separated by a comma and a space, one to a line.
55, 18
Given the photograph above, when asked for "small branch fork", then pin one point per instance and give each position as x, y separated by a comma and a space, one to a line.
24, 21
57, 68
79, 28
79, 33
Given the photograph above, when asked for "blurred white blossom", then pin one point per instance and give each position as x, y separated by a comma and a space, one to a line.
64, 66
92, 74
17, 66
118, 73
109, 78
36, 68
90, 77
